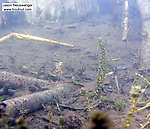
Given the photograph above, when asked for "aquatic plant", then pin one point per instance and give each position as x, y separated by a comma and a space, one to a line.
61, 118
148, 103
49, 115
84, 93
50, 120
2, 98
118, 105
135, 94
74, 81
102, 66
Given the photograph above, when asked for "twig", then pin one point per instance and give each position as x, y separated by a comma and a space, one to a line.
45, 9
77, 109
72, 109
23, 36
44, 119
116, 81
6, 37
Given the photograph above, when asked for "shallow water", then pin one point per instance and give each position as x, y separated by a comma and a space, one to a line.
41, 60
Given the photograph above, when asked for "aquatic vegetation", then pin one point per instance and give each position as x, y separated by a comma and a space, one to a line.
118, 105
102, 66
50, 120
74, 80
2, 98
142, 77
136, 92
61, 118
106, 101
83, 92
113, 104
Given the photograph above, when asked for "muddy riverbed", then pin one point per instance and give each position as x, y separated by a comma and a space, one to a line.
39, 60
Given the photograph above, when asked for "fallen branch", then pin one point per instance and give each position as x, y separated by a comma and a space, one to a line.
79, 109
33, 102
45, 9
116, 81
16, 80
23, 36
72, 108
45, 119
6, 37
6, 90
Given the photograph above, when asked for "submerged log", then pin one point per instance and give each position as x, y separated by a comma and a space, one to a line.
33, 102
144, 7
16, 80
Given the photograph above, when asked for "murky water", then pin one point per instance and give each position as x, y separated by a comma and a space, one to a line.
28, 59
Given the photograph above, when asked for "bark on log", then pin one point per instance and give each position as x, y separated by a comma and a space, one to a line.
144, 7
33, 102
16, 80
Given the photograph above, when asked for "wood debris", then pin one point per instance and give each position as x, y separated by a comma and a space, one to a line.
33, 102
23, 36
125, 22
16, 80
116, 81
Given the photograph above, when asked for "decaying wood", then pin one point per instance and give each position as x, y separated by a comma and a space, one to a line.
45, 119
116, 81
23, 36
33, 102
16, 80
45, 9
144, 8
6, 37
78, 109
6, 90
125, 22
